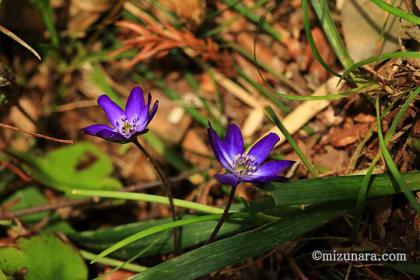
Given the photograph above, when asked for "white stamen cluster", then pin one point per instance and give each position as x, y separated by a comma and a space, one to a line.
125, 127
244, 164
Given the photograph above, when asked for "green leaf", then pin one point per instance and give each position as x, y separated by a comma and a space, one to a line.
191, 235
232, 250
28, 197
324, 16
336, 188
46, 11
397, 12
252, 17
311, 41
150, 198
270, 112
42, 257
381, 57
2, 275
361, 198
391, 164
81, 165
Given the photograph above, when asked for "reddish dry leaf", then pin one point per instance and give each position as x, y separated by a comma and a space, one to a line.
326, 52
341, 137
264, 54
364, 118
117, 275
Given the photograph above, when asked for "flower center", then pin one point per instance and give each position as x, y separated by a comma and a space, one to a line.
126, 127
244, 164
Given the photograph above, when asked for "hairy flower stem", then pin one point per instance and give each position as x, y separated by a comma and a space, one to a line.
224, 216
166, 185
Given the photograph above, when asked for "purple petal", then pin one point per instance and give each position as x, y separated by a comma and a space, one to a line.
112, 136
152, 112
262, 179
135, 103
219, 149
94, 129
234, 141
112, 110
274, 167
149, 101
262, 149
227, 179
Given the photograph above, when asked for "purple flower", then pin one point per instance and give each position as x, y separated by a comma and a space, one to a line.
250, 166
125, 124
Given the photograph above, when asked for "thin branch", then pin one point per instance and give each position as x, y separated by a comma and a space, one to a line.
65, 141
72, 203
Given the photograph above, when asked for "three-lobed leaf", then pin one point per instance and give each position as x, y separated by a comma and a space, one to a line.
42, 257
81, 165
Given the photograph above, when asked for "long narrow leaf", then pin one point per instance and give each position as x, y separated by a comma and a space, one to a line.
311, 41
251, 16
391, 165
308, 191
232, 250
361, 199
291, 141
150, 198
322, 11
191, 235
149, 231
397, 12
378, 58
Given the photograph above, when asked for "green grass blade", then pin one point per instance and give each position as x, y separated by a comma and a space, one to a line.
232, 250
397, 12
251, 16
172, 94
338, 188
324, 16
150, 198
171, 155
275, 100
361, 199
44, 8
315, 52
391, 165
191, 236
252, 57
97, 77
229, 22
112, 262
290, 139
153, 230
333, 96
381, 57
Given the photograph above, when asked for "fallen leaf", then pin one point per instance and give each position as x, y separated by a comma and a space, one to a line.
341, 137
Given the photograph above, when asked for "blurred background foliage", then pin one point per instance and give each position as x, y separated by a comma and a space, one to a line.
337, 80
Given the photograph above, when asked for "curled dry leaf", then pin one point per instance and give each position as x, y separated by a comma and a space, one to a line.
84, 13
341, 137
192, 12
